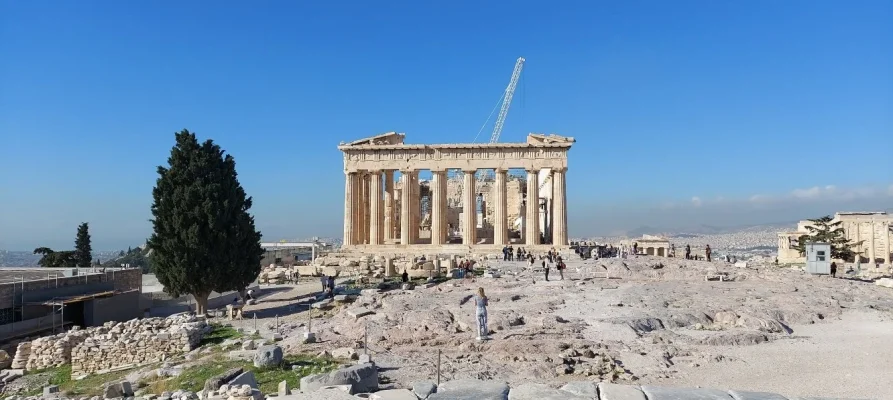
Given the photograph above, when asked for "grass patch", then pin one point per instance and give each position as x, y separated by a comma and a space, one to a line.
92, 385
193, 378
219, 333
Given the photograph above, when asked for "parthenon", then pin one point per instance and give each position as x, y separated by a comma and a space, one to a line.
408, 214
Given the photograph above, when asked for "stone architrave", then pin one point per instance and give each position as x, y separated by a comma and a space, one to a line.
559, 227
375, 208
533, 210
469, 211
405, 208
500, 217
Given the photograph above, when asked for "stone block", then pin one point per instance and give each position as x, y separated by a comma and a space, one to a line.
673, 393
611, 391
359, 312
537, 391
245, 378
588, 389
50, 390
214, 383
244, 355
406, 286
362, 378
307, 270
345, 298
423, 389
268, 356
364, 358
471, 389
393, 394
324, 303
741, 395
309, 337
284, 390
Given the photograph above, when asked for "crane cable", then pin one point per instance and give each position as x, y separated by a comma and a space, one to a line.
498, 102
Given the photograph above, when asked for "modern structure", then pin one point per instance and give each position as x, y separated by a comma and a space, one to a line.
382, 214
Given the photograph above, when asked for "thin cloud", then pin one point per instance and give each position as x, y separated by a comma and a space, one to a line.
696, 201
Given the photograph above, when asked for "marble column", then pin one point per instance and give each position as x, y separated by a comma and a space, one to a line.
872, 247
357, 208
349, 185
405, 207
414, 220
469, 209
375, 208
364, 199
886, 233
398, 200
559, 201
389, 211
500, 208
438, 206
533, 208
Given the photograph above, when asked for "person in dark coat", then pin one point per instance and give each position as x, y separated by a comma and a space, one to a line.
833, 270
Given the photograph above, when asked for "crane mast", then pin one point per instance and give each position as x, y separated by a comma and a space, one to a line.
507, 100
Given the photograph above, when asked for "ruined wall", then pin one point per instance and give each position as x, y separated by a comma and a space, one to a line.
514, 188
135, 342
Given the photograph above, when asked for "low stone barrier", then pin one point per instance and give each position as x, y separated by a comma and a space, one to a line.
112, 345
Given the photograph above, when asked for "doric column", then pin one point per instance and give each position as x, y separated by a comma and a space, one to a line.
398, 199
469, 211
872, 247
389, 210
375, 211
357, 208
349, 185
886, 233
364, 209
405, 207
500, 206
559, 201
533, 208
438, 206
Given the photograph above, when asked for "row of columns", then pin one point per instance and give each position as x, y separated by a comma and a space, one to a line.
370, 214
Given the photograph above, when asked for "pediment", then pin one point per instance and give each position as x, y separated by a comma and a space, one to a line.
538, 138
384, 139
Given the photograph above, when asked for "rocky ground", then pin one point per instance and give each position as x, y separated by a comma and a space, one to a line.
655, 321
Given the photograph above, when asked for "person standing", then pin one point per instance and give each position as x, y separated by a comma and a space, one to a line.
324, 280
480, 302
687, 252
833, 270
546, 268
707, 251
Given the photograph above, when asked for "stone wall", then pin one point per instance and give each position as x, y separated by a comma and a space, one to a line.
114, 344
124, 279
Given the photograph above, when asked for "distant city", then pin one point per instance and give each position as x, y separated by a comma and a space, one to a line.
27, 259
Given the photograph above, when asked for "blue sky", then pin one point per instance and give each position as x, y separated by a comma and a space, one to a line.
685, 112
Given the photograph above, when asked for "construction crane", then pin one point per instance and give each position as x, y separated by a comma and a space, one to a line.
507, 100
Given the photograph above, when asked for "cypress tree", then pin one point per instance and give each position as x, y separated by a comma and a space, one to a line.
83, 252
203, 239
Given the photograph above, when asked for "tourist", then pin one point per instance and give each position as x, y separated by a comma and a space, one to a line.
635, 248
511, 253
687, 252
833, 270
404, 276
480, 302
560, 267
708, 252
324, 280
331, 286
546, 269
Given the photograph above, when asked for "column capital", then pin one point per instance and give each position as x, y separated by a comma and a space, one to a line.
469, 170
531, 170
562, 169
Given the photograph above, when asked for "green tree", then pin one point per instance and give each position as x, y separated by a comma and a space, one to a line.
823, 230
83, 252
55, 259
203, 237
